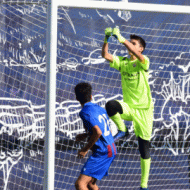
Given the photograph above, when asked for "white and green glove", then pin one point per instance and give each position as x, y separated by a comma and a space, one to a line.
108, 33
117, 35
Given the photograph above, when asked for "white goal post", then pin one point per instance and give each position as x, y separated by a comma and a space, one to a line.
51, 68
122, 5
51, 41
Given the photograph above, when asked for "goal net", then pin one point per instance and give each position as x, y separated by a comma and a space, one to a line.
80, 38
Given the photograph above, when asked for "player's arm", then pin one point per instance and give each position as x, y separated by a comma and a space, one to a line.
105, 54
128, 45
134, 51
82, 136
96, 133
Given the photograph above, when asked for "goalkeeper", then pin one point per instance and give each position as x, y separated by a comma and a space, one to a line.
137, 103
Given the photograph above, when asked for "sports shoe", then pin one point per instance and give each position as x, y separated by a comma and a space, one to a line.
120, 134
143, 188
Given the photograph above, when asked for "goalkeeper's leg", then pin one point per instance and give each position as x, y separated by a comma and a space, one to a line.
142, 122
144, 148
114, 111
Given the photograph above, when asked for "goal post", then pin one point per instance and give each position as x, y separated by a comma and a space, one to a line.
51, 40
122, 5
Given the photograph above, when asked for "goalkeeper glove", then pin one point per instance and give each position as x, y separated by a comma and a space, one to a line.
108, 33
117, 35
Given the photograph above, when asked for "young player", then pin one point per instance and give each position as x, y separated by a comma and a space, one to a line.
137, 103
101, 142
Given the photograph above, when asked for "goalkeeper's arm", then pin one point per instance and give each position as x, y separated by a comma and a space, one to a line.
131, 48
105, 54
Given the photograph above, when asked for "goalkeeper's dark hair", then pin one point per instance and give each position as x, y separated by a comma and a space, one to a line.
83, 92
141, 40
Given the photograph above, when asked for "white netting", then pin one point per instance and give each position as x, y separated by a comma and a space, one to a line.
80, 38
23, 1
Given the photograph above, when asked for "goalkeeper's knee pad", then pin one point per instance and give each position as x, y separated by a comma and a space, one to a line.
113, 107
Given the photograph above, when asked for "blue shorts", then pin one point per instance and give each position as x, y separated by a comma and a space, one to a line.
97, 167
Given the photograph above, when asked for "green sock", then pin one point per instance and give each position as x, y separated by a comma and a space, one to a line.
119, 122
145, 168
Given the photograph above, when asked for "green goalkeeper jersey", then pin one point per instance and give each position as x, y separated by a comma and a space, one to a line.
134, 78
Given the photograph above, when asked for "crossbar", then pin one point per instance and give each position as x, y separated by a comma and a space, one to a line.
122, 5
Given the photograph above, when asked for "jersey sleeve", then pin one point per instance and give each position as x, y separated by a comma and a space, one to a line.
116, 64
146, 63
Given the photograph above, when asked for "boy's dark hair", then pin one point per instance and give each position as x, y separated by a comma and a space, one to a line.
141, 40
83, 92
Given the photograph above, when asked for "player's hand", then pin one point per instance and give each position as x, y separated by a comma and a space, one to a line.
108, 33
82, 153
117, 35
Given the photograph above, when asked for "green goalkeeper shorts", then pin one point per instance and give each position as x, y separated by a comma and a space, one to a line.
142, 119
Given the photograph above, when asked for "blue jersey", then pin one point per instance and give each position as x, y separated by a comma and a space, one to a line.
92, 114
